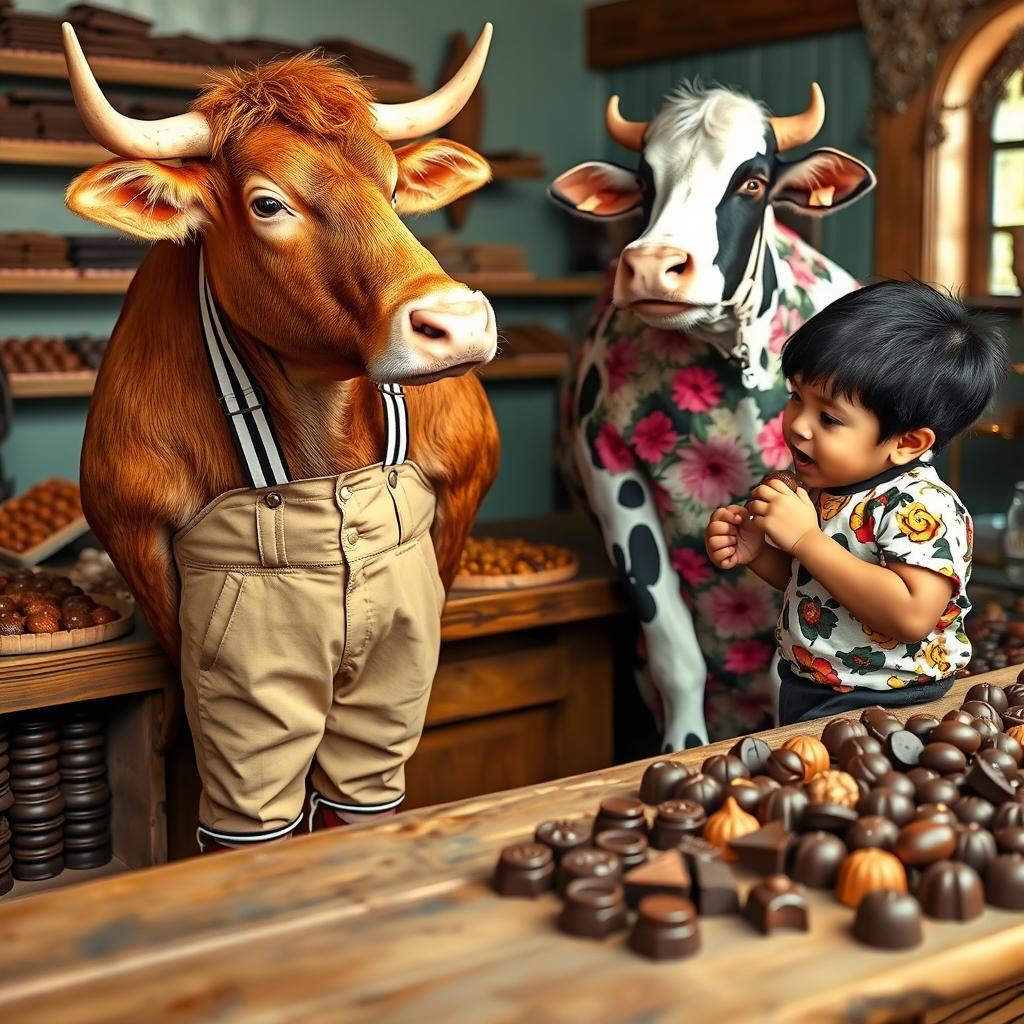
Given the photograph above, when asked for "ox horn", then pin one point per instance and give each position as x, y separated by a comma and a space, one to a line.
626, 133
179, 136
800, 128
410, 120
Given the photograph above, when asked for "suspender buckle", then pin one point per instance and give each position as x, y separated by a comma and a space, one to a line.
252, 396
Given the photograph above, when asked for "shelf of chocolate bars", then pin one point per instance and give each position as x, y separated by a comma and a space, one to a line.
44, 367
903, 823
121, 48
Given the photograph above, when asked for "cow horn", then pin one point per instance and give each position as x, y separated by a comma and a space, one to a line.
800, 128
182, 135
421, 117
626, 133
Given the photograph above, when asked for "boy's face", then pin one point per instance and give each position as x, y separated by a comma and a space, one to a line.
834, 440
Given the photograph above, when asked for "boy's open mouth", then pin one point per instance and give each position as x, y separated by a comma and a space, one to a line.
802, 460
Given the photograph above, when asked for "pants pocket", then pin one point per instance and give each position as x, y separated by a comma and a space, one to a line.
220, 620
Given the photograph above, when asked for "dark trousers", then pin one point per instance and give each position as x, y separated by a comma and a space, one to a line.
800, 700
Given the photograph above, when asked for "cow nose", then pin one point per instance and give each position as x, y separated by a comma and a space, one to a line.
658, 272
453, 330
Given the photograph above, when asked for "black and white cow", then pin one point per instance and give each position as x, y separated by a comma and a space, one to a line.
681, 367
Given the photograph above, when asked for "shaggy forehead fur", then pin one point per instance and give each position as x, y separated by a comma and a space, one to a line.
308, 92
717, 113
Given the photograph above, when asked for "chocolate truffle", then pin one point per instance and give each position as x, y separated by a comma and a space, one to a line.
937, 812
673, 820
888, 919
562, 836
951, 891
786, 804
660, 779
881, 727
872, 831
898, 783
974, 808
888, 804
925, 842
990, 694
587, 863
837, 732
943, 758
816, 859
765, 849
525, 869
960, 735
1010, 840
1006, 743
753, 752
593, 908
958, 715
629, 845
1008, 815
829, 817
919, 776
938, 791
868, 770
665, 873
724, 768
998, 759
866, 870
855, 746
989, 782
903, 748
702, 789
666, 928
982, 709
975, 846
921, 725
777, 902
785, 767
745, 793
620, 812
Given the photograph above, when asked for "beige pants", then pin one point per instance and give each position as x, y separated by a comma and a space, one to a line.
310, 618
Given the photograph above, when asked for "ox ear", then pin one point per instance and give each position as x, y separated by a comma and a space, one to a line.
147, 199
436, 172
822, 182
598, 190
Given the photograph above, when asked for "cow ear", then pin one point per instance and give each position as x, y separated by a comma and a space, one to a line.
147, 199
822, 182
598, 190
435, 173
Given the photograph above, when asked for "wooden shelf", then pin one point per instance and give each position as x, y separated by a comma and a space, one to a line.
579, 286
541, 366
502, 170
76, 384
64, 282
51, 153
163, 74
63, 880
995, 302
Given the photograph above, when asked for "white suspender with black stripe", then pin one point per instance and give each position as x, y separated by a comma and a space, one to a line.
241, 401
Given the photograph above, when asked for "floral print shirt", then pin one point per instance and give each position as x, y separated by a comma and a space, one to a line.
909, 516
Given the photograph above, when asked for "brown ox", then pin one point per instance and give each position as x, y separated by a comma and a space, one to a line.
284, 176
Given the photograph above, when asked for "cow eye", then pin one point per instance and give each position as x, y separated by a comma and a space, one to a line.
394, 197
266, 206
752, 186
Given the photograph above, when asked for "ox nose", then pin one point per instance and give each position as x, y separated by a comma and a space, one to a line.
452, 330
653, 273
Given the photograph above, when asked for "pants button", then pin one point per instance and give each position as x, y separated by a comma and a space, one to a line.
393, 478
273, 500
351, 536
345, 493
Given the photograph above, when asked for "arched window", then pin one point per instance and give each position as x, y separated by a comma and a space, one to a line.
999, 193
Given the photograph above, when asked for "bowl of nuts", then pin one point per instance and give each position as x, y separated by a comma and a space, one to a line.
40, 611
41, 521
491, 563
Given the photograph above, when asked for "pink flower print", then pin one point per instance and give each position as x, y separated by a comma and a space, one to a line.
784, 323
696, 389
691, 565
712, 472
667, 344
747, 656
803, 274
738, 609
653, 437
664, 503
613, 452
774, 451
620, 362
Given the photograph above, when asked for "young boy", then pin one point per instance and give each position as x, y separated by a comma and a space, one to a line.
873, 551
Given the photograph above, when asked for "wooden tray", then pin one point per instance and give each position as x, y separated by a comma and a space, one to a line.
53, 543
519, 580
37, 643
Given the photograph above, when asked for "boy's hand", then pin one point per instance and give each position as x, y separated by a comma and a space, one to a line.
785, 516
731, 538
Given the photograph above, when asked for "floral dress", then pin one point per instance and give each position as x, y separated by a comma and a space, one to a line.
676, 410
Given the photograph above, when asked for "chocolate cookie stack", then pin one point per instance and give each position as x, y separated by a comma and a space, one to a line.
6, 799
37, 814
83, 771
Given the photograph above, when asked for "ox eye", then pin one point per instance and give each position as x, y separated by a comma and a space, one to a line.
394, 197
752, 187
266, 206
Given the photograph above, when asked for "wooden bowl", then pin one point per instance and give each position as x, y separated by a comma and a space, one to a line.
64, 639
518, 580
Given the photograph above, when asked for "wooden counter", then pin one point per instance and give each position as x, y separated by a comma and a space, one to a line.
396, 922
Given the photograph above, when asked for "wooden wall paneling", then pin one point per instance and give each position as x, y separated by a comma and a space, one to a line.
137, 780
640, 31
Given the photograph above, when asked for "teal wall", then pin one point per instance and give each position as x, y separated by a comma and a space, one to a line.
539, 97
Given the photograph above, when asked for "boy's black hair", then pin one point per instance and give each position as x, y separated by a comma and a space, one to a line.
913, 356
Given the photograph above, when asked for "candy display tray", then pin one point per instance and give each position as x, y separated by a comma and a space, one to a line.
518, 581
65, 639
53, 543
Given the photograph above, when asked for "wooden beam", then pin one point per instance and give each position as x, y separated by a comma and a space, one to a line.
638, 31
